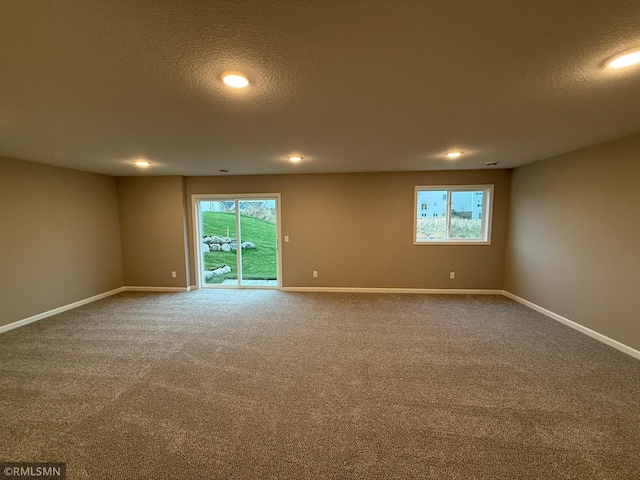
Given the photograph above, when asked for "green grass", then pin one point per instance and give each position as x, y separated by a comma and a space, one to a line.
258, 263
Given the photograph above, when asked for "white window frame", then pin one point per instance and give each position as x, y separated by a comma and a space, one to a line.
487, 214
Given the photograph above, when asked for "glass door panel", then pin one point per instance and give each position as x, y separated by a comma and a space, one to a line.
257, 242
219, 244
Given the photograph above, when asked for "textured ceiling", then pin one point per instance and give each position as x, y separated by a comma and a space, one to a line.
351, 85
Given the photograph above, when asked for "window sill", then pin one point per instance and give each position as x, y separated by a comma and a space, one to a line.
453, 242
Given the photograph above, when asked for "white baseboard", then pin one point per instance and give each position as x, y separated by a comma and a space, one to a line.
576, 326
156, 289
58, 310
445, 291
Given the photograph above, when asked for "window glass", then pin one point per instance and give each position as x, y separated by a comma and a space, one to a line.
433, 225
466, 213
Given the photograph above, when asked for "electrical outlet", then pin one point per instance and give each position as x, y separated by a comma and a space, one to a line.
173, 274
315, 274
452, 275
286, 238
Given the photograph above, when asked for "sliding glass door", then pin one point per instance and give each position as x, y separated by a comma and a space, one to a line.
237, 241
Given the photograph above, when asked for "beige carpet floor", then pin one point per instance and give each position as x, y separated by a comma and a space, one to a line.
265, 384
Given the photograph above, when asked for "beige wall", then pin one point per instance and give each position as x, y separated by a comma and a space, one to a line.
152, 224
574, 240
356, 229
59, 238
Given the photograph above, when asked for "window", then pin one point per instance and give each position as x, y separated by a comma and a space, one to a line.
463, 217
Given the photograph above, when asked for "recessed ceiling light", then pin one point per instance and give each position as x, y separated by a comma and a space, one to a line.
625, 60
295, 158
142, 163
454, 154
235, 80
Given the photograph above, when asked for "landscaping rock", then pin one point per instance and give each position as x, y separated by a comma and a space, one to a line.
214, 243
208, 275
219, 271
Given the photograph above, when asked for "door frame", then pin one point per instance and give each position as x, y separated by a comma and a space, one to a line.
197, 236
